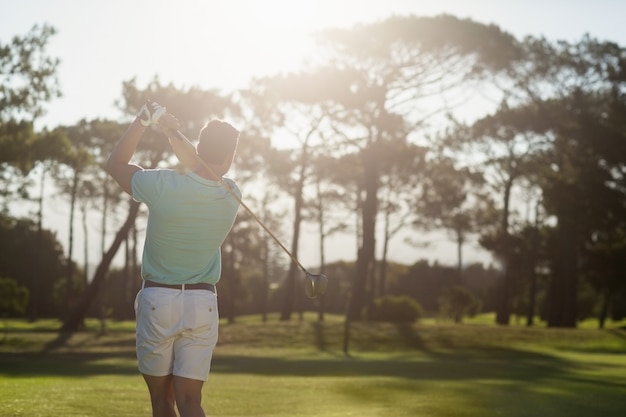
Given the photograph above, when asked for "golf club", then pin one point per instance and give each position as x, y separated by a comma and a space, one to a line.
315, 284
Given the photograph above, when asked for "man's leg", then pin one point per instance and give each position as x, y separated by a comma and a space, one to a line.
161, 394
188, 396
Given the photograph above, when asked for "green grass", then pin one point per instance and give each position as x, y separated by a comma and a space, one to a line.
298, 369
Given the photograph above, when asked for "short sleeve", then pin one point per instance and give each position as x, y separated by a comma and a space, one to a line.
145, 186
233, 186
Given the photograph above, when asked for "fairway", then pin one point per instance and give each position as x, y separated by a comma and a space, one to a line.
297, 369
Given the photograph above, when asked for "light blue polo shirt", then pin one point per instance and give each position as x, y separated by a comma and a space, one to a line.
188, 219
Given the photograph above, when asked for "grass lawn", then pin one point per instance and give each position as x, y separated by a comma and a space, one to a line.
298, 369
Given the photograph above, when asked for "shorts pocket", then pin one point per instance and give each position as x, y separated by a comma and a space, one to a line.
154, 311
201, 312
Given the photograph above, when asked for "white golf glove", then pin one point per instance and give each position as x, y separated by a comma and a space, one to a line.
150, 113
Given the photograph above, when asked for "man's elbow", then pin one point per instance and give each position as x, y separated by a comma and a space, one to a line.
110, 166
113, 169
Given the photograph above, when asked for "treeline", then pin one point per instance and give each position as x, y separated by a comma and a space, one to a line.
394, 129
40, 267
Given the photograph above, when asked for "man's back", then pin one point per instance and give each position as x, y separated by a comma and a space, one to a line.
189, 218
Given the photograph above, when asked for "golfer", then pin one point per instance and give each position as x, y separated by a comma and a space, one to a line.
189, 216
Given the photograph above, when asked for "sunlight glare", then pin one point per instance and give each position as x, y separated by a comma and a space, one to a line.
264, 37
281, 15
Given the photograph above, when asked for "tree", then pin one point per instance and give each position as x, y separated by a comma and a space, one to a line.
27, 82
27, 74
75, 163
401, 185
548, 133
296, 189
44, 154
74, 318
326, 207
261, 260
21, 243
572, 90
455, 199
504, 145
302, 122
386, 73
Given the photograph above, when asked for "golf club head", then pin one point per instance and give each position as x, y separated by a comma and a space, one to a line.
315, 285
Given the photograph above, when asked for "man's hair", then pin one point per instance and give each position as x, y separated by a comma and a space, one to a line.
217, 140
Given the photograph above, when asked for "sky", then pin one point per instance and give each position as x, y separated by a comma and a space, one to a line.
224, 44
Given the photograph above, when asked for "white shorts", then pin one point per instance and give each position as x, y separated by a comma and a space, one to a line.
176, 332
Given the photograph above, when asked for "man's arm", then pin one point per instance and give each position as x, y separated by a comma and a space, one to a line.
184, 150
118, 164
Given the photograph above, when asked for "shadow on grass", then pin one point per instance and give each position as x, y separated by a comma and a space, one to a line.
621, 332
67, 364
67, 356
423, 356
86, 355
482, 364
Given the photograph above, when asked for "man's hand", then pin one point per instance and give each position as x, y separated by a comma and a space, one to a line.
150, 113
168, 121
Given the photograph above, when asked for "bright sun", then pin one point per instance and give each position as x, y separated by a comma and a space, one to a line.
277, 33
281, 15
240, 37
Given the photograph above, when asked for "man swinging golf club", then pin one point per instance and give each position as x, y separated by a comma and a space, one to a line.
189, 216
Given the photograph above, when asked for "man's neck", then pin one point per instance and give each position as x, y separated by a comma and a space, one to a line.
211, 174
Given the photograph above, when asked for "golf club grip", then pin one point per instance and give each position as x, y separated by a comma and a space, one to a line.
180, 136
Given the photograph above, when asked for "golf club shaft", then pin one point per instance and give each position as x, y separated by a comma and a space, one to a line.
175, 133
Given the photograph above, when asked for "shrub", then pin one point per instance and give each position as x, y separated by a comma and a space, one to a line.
457, 302
395, 309
13, 297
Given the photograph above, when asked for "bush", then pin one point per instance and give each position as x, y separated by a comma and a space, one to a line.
395, 309
457, 302
13, 297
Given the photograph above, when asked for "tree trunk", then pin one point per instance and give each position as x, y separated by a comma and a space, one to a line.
232, 280
103, 223
103, 231
69, 283
563, 291
34, 288
604, 311
266, 279
367, 250
77, 314
460, 240
320, 219
503, 306
532, 270
290, 283
381, 287
346, 336
85, 242
532, 296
